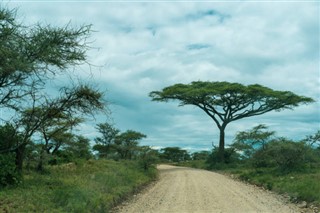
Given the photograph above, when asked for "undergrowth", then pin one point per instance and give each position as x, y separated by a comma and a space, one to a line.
92, 186
301, 185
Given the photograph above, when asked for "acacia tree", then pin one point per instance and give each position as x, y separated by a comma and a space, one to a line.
250, 141
113, 143
174, 154
126, 143
226, 102
73, 103
30, 55
54, 132
312, 140
105, 143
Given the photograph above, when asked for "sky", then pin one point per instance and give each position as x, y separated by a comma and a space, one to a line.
144, 46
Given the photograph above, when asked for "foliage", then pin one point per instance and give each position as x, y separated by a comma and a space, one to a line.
198, 164
230, 157
94, 186
126, 144
114, 144
299, 186
225, 102
31, 54
281, 165
77, 148
8, 173
201, 155
8, 139
55, 117
285, 154
29, 57
248, 142
147, 157
104, 144
174, 154
313, 140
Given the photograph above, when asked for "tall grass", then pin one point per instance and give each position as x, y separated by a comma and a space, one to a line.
300, 185
92, 186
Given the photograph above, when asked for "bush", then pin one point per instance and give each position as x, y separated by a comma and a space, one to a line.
262, 158
85, 186
284, 154
8, 173
147, 157
230, 157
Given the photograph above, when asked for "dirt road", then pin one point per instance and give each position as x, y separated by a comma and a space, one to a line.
190, 190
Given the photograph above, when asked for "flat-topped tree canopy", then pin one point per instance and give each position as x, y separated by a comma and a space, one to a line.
225, 102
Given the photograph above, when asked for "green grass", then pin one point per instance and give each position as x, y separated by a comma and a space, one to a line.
300, 185
92, 186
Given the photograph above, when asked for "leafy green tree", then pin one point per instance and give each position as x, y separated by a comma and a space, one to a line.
201, 155
106, 142
230, 156
116, 145
226, 102
8, 139
29, 57
174, 154
285, 154
126, 143
147, 157
31, 54
249, 141
55, 132
76, 148
80, 148
8, 172
75, 102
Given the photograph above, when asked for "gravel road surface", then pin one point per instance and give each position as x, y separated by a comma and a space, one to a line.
184, 190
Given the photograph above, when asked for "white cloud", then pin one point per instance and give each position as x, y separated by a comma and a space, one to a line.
147, 46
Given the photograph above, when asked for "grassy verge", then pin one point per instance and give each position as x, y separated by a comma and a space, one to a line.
299, 186
92, 186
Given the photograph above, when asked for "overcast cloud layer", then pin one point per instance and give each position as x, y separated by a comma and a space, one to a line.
141, 47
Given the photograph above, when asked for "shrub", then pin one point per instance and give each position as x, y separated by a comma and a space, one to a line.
147, 157
8, 173
282, 153
230, 157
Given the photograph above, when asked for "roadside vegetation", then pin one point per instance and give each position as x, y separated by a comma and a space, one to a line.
82, 186
46, 165
257, 156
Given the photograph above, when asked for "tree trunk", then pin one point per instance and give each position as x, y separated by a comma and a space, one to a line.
41, 159
19, 157
221, 145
